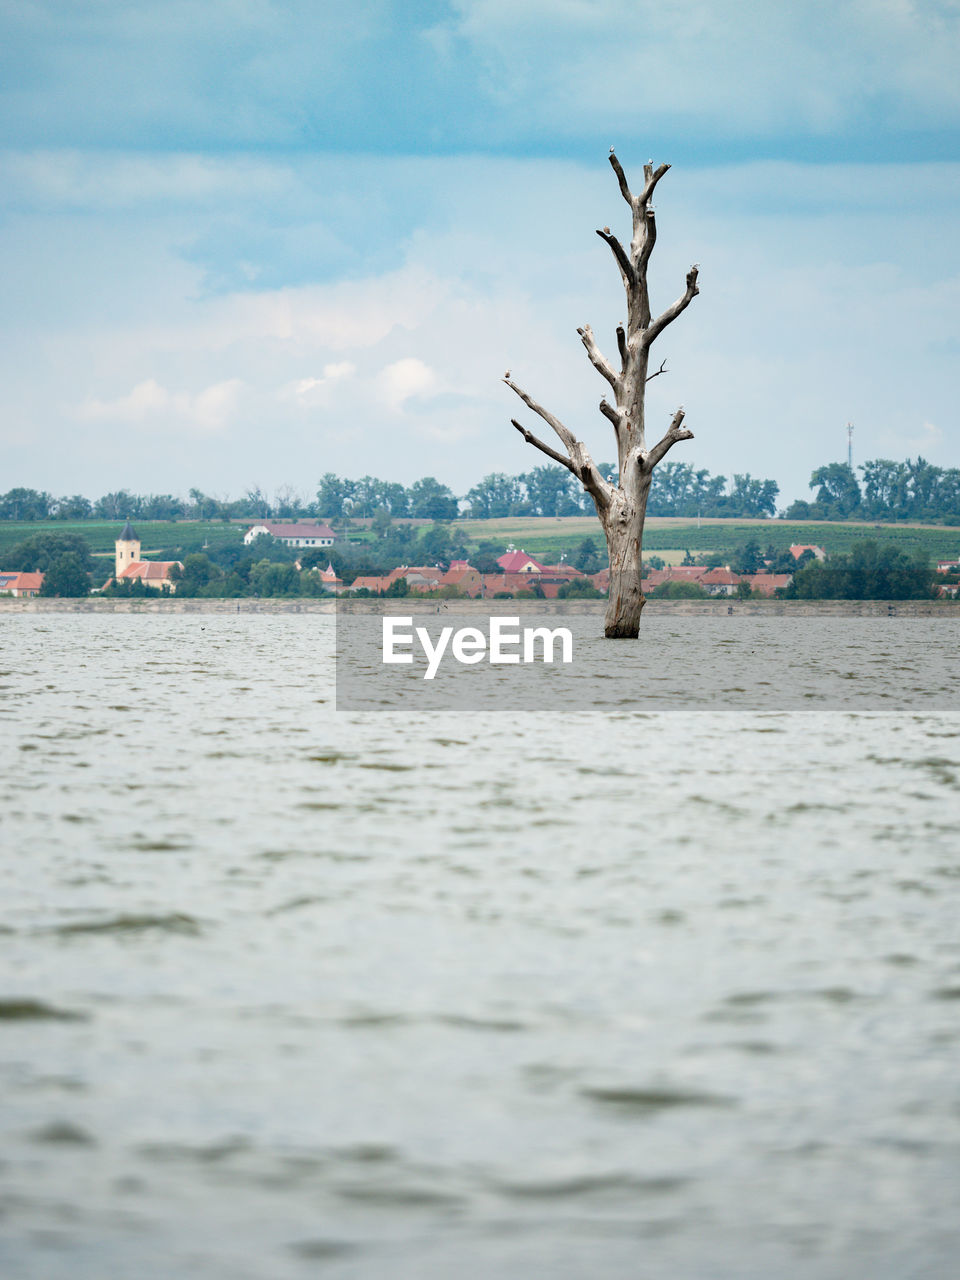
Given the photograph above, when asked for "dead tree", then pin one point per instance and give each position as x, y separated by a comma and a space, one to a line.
622, 507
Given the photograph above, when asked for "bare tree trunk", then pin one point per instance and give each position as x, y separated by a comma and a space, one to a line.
625, 599
622, 507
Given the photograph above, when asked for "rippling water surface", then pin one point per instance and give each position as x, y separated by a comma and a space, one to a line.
289, 992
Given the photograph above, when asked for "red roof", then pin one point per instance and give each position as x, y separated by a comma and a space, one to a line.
149, 570
566, 572
520, 562
721, 578
21, 581
797, 550
765, 584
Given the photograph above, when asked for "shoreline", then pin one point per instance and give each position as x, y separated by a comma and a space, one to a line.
720, 607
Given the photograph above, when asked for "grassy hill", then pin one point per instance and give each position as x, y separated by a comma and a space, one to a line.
180, 536
546, 538
542, 536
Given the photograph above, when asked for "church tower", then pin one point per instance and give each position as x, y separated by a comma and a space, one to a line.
127, 549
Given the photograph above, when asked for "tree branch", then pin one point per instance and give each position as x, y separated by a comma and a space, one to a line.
649, 240
598, 360
623, 262
674, 433
545, 448
674, 310
565, 434
610, 413
621, 178
663, 369
622, 344
651, 178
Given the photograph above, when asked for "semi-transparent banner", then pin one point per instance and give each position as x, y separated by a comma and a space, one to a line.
428, 655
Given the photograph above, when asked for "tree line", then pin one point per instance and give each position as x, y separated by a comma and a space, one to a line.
886, 490
677, 489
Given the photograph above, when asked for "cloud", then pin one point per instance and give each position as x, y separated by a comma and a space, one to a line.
926, 441
824, 299
403, 380
735, 67
478, 74
149, 402
313, 391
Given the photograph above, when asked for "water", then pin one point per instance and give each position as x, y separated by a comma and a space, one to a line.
289, 992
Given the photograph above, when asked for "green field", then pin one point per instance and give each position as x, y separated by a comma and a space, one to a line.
181, 536
546, 538
542, 536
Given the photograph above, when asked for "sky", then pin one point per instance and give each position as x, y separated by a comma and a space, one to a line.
247, 242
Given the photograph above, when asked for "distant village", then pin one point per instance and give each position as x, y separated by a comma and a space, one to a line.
520, 574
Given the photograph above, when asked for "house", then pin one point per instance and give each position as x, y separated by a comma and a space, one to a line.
797, 551
562, 572
128, 567
20, 584
299, 534
465, 578
519, 562
367, 582
948, 566
720, 582
767, 584
328, 577
673, 573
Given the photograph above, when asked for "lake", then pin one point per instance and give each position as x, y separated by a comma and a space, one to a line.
662, 980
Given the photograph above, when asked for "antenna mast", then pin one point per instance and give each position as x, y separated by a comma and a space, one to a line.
850, 445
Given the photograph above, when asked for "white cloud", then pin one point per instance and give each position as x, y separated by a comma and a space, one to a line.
314, 391
404, 379
149, 402
927, 441
824, 299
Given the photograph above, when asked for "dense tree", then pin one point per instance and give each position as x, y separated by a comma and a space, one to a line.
37, 554
869, 572
76, 507
586, 558
25, 504
910, 490
66, 576
430, 500
751, 497
121, 505
198, 572
838, 494
748, 558
496, 495
552, 491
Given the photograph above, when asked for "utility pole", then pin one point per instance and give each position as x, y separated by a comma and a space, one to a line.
850, 445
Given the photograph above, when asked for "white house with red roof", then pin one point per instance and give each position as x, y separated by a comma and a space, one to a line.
302, 533
720, 582
20, 584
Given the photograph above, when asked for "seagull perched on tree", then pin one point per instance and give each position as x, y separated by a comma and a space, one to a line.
507, 374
